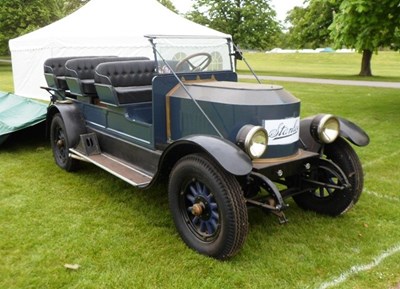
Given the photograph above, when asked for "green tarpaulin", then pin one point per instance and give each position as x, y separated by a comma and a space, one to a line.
17, 112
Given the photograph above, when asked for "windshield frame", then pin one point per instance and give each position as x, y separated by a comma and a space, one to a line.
169, 50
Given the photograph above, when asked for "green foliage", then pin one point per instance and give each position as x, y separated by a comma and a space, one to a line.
310, 23
366, 24
360, 24
18, 17
251, 23
65, 7
169, 5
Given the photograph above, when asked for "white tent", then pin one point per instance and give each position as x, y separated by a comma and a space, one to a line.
101, 27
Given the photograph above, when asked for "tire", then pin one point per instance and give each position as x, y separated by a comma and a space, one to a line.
60, 145
208, 207
335, 202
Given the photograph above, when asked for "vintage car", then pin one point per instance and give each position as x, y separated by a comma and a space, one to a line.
220, 145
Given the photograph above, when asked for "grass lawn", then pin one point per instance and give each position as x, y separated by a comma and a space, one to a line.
122, 237
385, 65
6, 82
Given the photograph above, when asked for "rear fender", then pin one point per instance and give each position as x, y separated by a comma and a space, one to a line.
348, 130
225, 153
73, 120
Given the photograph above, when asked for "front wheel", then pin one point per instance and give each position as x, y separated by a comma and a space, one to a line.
208, 207
329, 199
60, 144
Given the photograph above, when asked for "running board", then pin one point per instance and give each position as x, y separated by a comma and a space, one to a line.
118, 168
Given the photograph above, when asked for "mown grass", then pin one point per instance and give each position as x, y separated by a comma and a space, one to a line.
6, 82
385, 65
124, 238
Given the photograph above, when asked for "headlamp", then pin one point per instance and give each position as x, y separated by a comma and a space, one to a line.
325, 128
253, 139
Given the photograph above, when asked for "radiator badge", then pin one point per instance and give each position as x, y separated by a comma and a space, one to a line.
282, 131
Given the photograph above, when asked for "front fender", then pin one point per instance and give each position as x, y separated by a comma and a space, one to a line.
72, 117
225, 153
348, 130
353, 133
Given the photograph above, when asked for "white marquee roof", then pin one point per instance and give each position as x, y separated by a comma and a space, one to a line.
101, 27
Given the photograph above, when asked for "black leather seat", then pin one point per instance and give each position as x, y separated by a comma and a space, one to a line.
54, 70
127, 82
81, 71
80, 74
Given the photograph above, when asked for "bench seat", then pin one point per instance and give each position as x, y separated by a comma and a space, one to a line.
61, 82
54, 71
125, 82
80, 73
87, 86
134, 94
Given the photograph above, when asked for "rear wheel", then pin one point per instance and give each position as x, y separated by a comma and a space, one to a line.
60, 144
208, 207
331, 200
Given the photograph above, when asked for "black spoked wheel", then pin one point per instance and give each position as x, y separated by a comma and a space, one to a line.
335, 198
60, 145
208, 207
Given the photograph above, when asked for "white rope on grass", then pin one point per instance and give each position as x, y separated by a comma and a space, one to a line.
393, 154
360, 268
382, 196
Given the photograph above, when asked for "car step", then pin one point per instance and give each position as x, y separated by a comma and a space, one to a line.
115, 166
89, 144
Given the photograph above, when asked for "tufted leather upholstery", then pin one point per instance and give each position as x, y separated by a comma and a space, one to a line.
84, 70
56, 67
130, 80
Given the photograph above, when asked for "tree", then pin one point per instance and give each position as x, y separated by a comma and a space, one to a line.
169, 5
18, 17
251, 23
310, 24
65, 7
367, 25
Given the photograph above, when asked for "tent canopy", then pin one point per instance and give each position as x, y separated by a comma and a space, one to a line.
101, 27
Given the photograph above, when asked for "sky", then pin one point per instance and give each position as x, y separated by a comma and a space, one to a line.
281, 6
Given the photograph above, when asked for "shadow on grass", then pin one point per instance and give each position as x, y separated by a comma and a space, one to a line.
34, 136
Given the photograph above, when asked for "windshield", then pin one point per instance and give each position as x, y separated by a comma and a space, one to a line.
192, 54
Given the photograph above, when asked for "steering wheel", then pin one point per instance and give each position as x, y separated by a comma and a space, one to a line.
200, 67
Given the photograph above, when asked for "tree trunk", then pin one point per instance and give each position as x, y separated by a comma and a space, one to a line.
366, 63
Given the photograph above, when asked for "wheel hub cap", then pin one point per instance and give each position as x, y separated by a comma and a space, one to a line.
60, 143
197, 209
